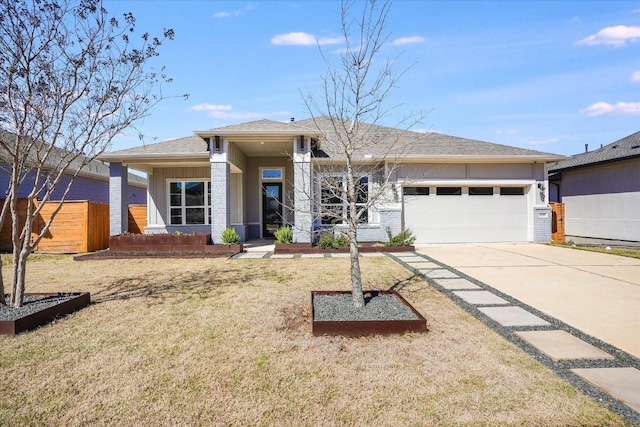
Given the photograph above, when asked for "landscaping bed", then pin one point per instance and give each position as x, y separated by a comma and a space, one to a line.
172, 245
39, 309
384, 313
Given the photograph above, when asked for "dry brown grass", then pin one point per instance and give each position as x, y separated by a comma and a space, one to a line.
221, 342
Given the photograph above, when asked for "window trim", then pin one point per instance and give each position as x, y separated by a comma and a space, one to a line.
344, 206
183, 206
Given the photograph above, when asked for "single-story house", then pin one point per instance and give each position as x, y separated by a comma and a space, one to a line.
601, 191
259, 175
92, 183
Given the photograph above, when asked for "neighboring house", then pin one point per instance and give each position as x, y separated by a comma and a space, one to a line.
258, 175
92, 183
601, 191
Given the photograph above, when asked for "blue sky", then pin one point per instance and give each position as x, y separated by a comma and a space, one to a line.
550, 76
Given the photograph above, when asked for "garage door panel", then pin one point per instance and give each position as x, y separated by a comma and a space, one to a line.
460, 219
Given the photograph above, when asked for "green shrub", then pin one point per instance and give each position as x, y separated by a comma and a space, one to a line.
284, 235
340, 241
336, 242
326, 241
229, 236
403, 238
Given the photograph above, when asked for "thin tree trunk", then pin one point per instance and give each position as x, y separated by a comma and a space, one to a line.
356, 277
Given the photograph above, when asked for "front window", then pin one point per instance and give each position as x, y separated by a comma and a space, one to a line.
189, 202
334, 204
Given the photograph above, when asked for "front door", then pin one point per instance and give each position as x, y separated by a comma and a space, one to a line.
271, 208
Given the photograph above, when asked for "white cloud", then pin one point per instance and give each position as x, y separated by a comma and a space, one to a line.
619, 109
543, 141
407, 40
635, 77
507, 131
617, 36
226, 112
230, 13
303, 39
211, 107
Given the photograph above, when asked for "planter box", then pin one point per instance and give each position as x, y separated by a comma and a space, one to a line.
159, 243
34, 320
308, 248
221, 249
353, 328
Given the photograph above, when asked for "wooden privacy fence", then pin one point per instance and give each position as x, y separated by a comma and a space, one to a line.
557, 222
79, 226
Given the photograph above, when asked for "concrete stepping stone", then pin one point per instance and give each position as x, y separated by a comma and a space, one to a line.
480, 297
340, 255
457, 283
412, 259
513, 316
424, 265
561, 345
621, 383
439, 273
282, 256
311, 256
403, 254
372, 254
253, 255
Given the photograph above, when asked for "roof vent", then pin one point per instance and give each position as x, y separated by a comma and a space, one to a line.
614, 146
293, 119
635, 146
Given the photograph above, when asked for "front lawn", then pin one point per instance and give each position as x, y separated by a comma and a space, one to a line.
228, 342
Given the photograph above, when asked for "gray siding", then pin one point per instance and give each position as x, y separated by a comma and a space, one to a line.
83, 188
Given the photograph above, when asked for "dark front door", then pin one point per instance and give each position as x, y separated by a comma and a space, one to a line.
271, 208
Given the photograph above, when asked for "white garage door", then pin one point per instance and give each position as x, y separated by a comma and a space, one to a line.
466, 214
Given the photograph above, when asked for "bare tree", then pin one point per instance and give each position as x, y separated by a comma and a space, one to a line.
354, 99
72, 77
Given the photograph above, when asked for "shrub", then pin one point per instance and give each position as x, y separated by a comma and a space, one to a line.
329, 241
326, 241
284, 235
403, 238
230, 236
340, 241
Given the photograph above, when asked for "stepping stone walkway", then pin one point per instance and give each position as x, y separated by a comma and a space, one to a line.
563, 349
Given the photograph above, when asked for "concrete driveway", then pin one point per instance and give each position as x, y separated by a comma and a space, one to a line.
598, 294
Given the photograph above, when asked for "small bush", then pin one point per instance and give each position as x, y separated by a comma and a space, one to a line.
340, 241
284, 235
403, 238
329, 241
326, 241
230, 236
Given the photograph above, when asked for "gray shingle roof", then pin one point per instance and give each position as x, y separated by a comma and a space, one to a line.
92, 169
418, 145
624, 148
385, 141
264, 125
187, 145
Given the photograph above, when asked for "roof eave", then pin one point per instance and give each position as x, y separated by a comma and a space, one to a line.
142, 157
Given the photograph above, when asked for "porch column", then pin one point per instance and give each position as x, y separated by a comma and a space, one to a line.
118, 199
220, 190
302, 195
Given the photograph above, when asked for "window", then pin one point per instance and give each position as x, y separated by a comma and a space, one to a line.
416, 191
512, 191
448, 191
272, 174
189, 202
481, 191
334, 206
